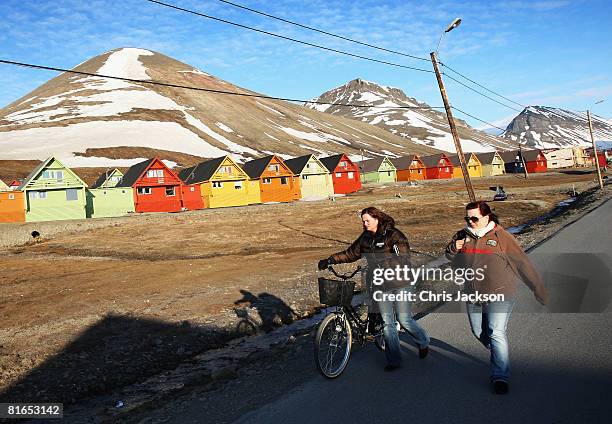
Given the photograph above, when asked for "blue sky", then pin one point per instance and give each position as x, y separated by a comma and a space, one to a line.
554, 52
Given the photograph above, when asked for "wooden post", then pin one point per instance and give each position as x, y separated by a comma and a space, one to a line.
453, 128
595, 151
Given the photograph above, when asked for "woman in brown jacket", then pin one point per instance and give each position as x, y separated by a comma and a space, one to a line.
385, 247
484, 244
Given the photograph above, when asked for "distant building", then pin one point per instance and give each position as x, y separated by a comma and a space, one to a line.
560, 158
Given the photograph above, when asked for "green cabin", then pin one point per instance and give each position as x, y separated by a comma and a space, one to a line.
378, 170
53, 192
106, 200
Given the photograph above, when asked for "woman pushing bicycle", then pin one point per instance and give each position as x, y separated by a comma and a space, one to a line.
385, 247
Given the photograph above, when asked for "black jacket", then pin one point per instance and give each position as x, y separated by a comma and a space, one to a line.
385, 249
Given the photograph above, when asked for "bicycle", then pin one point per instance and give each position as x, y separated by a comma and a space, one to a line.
334, 337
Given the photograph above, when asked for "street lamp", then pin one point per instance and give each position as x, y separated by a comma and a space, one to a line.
449, 114
600, 180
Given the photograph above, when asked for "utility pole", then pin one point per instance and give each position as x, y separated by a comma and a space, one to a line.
523, 161
453, 128
595, 151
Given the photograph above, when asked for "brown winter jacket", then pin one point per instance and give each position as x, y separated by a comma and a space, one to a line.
385, 249
503, 261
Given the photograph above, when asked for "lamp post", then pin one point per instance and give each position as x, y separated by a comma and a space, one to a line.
449, 114
600, 180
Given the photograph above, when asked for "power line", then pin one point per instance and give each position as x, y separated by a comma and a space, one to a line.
482, 86
322, 31
478, 119
318, 46
482, 94
208, 90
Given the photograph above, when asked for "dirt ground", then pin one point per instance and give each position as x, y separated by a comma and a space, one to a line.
88, 310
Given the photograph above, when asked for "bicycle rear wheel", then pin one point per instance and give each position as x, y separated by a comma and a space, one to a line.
333, 345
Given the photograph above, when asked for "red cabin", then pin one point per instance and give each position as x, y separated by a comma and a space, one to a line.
156, 187
345, 174
535, 161
601, 156
192, 197
437, 167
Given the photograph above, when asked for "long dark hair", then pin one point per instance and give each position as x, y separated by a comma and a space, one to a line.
384, 221
484, 209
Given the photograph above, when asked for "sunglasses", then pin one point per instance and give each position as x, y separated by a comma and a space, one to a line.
473, 219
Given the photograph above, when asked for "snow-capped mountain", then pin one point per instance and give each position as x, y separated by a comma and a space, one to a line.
425, 126
547, 127
89, 121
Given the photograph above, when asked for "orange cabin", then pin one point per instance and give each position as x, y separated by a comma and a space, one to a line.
277, 182
12, 206
409, 168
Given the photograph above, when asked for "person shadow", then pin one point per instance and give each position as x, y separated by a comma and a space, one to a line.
271, 312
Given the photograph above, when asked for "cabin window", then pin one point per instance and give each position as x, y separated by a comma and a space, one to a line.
72, 194
170, 191
151, 173
217, 184
238, 185
273, 168
42, 194
351, 175
267, 181
11, 196
284, 181
338, 174
304, 177
388, 173
420, 171
144, 190
447, 169
33, 194
343, 164
46, 174
59, 175
227, 170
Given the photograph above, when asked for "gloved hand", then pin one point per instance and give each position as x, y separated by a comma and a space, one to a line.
324, 263
541, 296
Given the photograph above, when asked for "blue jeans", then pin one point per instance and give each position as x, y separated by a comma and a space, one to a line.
489, 322
399, 311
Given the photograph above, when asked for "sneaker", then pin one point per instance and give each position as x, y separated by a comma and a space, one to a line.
500, 387
390, 368
423, 352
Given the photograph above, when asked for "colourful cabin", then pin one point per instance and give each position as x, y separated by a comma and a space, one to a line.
315, 180
222, 183
12, 206
535, 161
437, 167
378, 170
276, 181
473, 165
492, 164
409, 168
155, 187
346, 177
53, 192
106, 200
513, 163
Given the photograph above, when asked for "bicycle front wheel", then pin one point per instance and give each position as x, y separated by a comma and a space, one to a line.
333, 345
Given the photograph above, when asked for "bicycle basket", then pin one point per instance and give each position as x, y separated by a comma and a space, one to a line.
336, 292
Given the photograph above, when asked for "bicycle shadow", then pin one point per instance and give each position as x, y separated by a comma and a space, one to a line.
270, 312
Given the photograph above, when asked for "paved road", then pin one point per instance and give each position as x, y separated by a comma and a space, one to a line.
561, 362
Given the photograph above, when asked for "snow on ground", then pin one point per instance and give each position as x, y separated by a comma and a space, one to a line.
269, 108
369, 97
224, 127
303, 135
33, 143
234, 147
271, 136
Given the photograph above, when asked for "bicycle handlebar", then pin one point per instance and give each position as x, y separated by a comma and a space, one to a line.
344, 276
